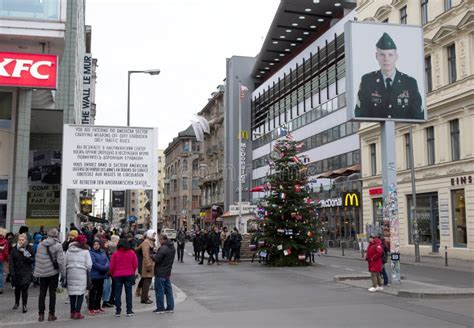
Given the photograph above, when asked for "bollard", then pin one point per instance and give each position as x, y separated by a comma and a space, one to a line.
342, 247
445, 255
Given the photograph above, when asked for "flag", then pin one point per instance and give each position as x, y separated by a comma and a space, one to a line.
243, 88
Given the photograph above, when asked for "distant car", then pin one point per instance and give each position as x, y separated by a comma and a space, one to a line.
170, 233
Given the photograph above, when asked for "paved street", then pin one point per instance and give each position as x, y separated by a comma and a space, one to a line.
250, 295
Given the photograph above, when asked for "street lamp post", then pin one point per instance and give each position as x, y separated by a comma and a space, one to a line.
150, 72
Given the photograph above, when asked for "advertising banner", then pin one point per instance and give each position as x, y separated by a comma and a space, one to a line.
43, 197
109, 157
385, 72
28, 70
118, 198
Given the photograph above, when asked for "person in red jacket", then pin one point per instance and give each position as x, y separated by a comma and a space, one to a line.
374, 259
4, 251
123, 266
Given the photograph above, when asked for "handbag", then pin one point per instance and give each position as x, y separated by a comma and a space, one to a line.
89, 280
55, 262
64, 281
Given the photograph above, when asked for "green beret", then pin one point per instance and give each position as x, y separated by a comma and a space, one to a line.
385, 42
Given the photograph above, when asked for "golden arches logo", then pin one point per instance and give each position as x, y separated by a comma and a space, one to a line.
351, 199
244, 135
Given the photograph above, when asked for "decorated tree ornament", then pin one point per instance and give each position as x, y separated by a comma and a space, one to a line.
298, 188
280, 247
287, 252
301, 257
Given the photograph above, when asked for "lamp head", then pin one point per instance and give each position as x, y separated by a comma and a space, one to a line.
153, 71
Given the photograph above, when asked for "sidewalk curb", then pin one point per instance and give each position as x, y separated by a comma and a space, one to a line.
421, 264
448, 293
351, 277
435, 295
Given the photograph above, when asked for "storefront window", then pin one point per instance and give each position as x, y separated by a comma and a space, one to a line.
5, 110
459, 218
427, 219
3, 215
377, 204
3, 189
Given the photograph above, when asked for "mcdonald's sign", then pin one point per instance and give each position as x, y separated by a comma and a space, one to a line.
244, 135
351, 199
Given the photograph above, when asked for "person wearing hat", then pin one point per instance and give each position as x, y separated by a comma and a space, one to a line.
78, 263
374, 259
100, 267
49, 263
147, 271
388, 93
70, 238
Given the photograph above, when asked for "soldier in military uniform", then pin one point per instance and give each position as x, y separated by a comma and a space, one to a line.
388, 93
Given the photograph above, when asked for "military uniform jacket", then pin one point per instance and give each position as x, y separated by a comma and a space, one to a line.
403, 101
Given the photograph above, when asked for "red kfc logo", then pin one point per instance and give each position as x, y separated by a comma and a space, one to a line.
28, 70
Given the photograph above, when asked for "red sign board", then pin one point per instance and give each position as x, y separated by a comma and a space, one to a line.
375, 191
28, 70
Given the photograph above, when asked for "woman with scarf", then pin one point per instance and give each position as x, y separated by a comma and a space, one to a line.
78, 262
21, 269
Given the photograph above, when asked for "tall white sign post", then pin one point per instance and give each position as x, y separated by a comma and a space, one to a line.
109, 157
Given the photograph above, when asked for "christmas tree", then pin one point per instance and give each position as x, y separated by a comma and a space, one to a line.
289, 224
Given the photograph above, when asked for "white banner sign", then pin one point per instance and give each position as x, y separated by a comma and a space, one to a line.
109, 157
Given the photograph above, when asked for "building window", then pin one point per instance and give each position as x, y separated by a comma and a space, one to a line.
424, 12
455, 145
448, 4
427, 215
452, 63
373, 160
185, 147
195, 165
459, 218
403, 15
196, 146
185, 183
430, 145
428, 76
407, 151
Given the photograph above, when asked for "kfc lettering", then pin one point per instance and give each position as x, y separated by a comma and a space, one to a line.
28, 70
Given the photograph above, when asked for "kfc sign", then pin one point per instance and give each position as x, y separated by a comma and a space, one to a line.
28, 70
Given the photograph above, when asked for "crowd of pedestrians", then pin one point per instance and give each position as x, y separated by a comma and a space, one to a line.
93, 264
211, 242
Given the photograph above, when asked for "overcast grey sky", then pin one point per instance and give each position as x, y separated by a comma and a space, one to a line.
188, 40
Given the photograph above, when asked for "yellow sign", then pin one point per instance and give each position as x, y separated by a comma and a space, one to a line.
244, 135
351, 199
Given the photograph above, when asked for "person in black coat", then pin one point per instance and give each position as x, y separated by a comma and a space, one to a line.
197, 245
21, 269
213, 249
235, 242
204, 244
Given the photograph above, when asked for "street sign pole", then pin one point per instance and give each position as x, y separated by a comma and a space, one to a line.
390, 197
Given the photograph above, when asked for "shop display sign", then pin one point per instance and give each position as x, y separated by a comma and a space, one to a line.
28, 70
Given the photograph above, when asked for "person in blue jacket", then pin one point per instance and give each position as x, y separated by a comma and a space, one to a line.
100, 267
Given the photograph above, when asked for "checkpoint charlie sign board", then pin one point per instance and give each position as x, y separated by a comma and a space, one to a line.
109, 157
